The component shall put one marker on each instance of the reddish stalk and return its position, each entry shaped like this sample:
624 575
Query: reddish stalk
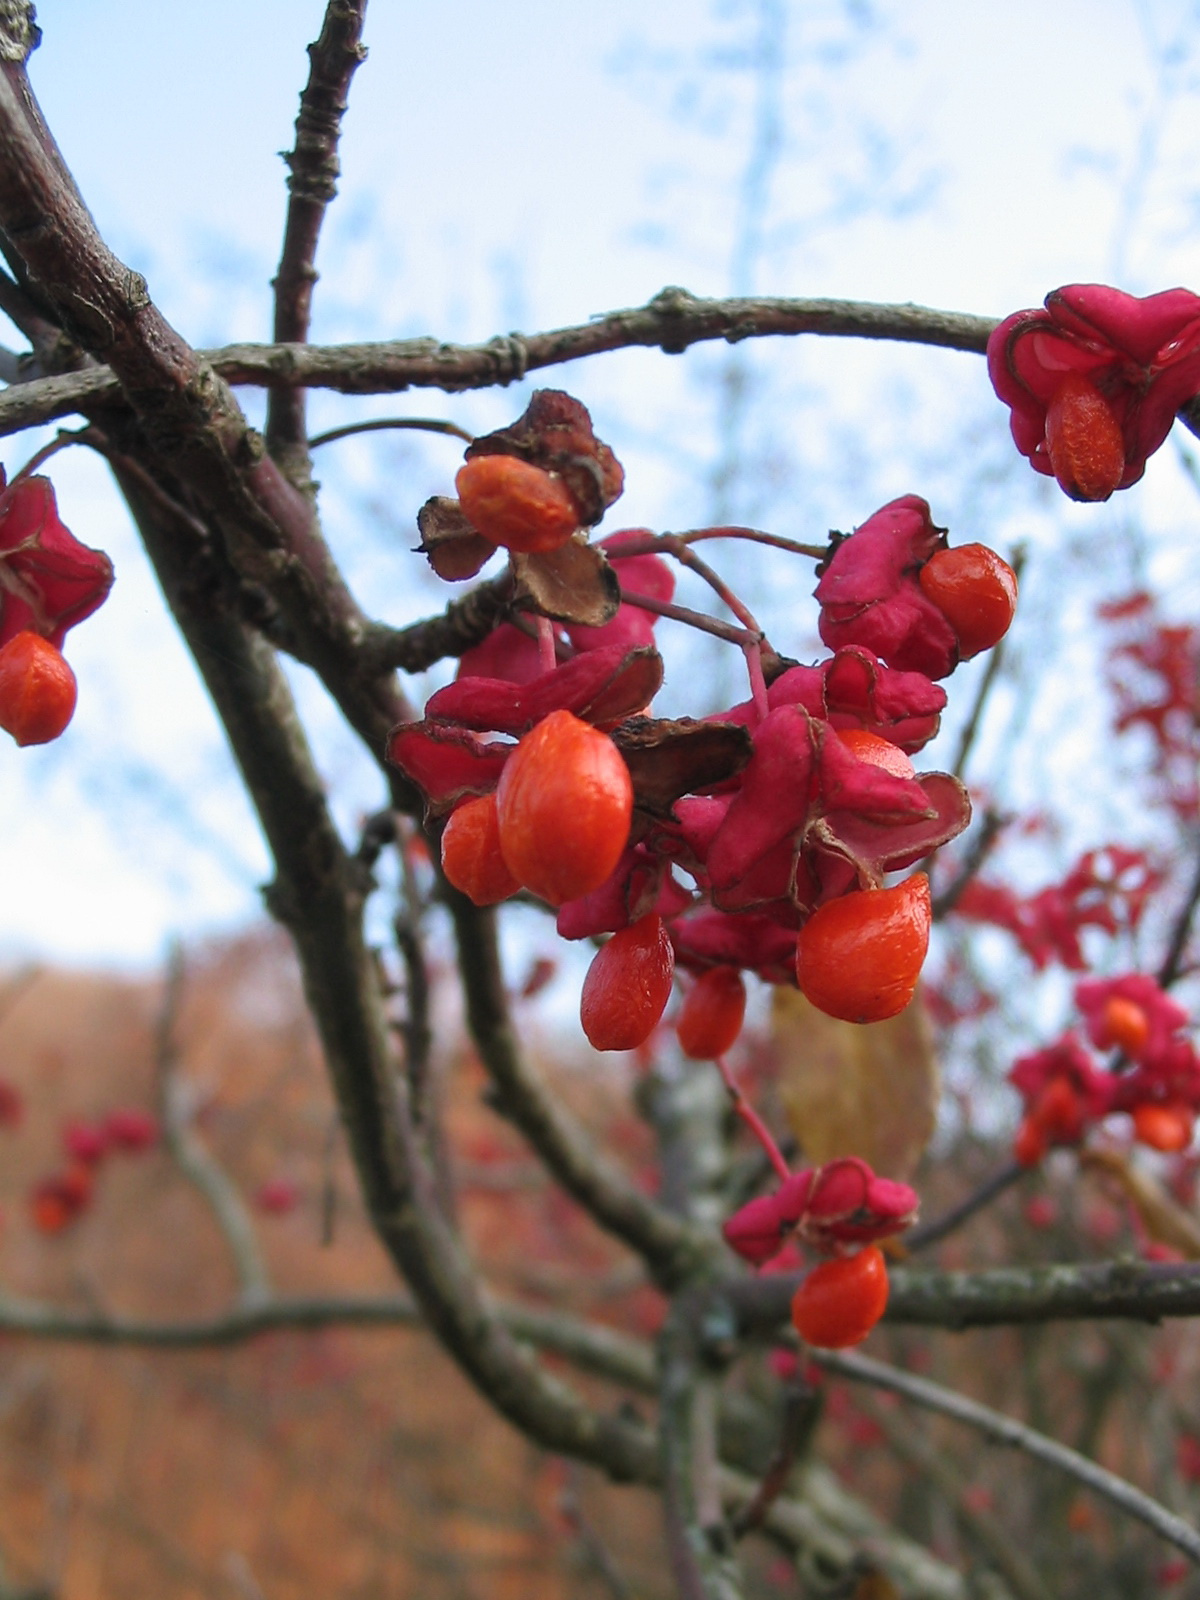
546 649
753 1121
758 683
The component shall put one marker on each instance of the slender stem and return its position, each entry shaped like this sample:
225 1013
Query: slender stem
801 1409
758 684
192 1158
752 1120
817 552
670 1246
383 424
60 442
1181 932
939 1228
547 653
1004 1430
981 845
694 619
986 684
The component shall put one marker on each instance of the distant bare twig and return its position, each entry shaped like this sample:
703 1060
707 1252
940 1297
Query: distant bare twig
1004 1430
189 1153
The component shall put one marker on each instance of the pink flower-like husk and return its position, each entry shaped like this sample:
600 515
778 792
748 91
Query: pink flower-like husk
1164 1015
854 689
1067 1058
804 787
749 941
640 883
506 653
842 1202
602 687
869 593
1142 354
49 581
446 763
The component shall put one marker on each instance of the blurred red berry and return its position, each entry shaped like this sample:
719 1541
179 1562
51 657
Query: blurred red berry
277 1197
130 1128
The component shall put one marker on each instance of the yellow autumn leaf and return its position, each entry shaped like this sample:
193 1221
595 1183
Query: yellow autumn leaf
857 1089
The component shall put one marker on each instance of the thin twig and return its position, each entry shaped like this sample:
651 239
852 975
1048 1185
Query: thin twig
591 1545
991 675
938 1228
190 1155
384 424
982 843
1181 932
801 1407
313 171
1005 1430
916 1451
817 552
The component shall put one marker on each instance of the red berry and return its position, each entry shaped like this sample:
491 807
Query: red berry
471 857
712 1014
976 592
859 957
56 1202
627 986
1124 1023
277 1197
1031 1143
1162 1127
1059 1111
48 1209
130 1128
1084 440
878 751
12 1107
564 805
515 504
83 1141
841 1301
37 689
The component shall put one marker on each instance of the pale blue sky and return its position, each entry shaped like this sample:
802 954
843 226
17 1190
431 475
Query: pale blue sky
532 164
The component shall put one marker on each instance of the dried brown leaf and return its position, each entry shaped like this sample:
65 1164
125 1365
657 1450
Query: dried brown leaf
668 759
571 584
452 546
850 1089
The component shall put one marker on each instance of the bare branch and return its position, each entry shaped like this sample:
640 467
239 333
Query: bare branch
672 321
1137 1291
313 172
319 893
698 1536
670 1247
1004 1430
